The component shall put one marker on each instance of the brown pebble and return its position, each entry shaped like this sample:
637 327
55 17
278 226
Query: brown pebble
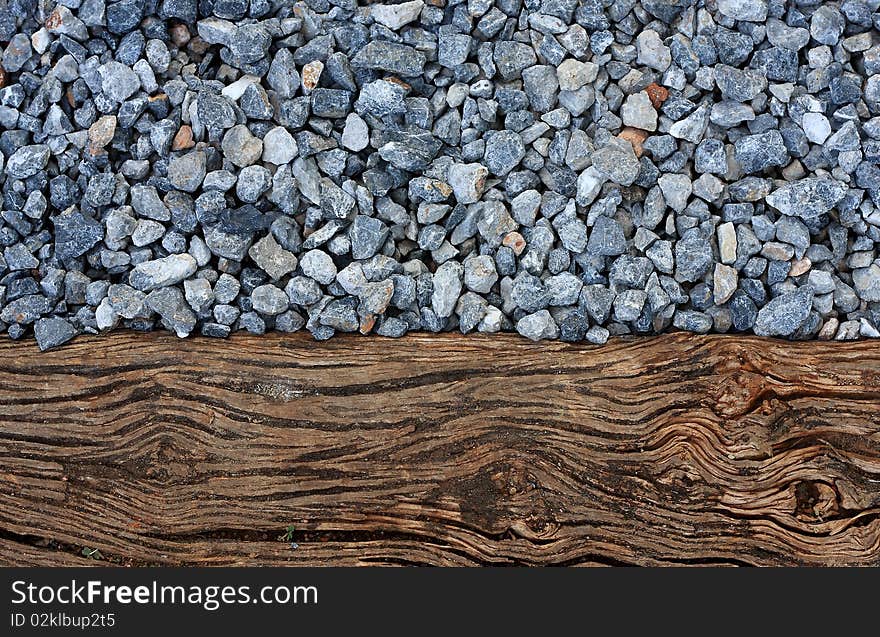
636 137
799 267
398 81
515 242
311 74
179 35
367 323
198 46
183 139
102 131
54 20
829 329
657 94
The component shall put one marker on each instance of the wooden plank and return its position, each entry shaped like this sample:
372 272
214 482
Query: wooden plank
440 450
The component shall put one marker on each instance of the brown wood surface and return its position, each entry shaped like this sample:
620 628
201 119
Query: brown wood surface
440 450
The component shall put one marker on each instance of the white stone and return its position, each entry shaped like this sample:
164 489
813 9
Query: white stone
637 111
749 10
279 147
573 74
105 316
727 243
589 184
41 40
816 127
395 16
651 51
676 189
238 87
725 280
356 134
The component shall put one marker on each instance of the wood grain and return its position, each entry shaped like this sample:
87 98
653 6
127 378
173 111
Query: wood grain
440 450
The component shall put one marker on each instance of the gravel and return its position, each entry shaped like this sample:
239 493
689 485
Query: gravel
561 169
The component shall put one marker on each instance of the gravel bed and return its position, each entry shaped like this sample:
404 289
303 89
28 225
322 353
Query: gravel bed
570 169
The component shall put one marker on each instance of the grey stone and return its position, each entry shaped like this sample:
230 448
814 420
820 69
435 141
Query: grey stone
162 272
541 87
452 48
187 172
468 181
538 326
750 10
755 153
279 147
215 111
75 234
52 332
367 235
18 51
118 82
480 274
807 198
739 85
170 304
356 134
676 189
504 151
146 202
693 127
827 24
198 294
606 238
146 232
18 257
388 56
529 293
394 16
241 147
447 288
269 299
651 51
272 258
573 74
693 256
710 157
27 161
319 266
564 289
303 291
866 282
283 76
511 58
617 161
335 202
638 111
784 314
229 245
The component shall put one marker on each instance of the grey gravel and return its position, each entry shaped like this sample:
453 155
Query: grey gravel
570 170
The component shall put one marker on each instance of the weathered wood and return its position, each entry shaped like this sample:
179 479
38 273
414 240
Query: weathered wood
440 450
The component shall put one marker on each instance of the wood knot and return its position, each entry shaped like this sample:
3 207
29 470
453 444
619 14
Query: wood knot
815 501
502 496
737 394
